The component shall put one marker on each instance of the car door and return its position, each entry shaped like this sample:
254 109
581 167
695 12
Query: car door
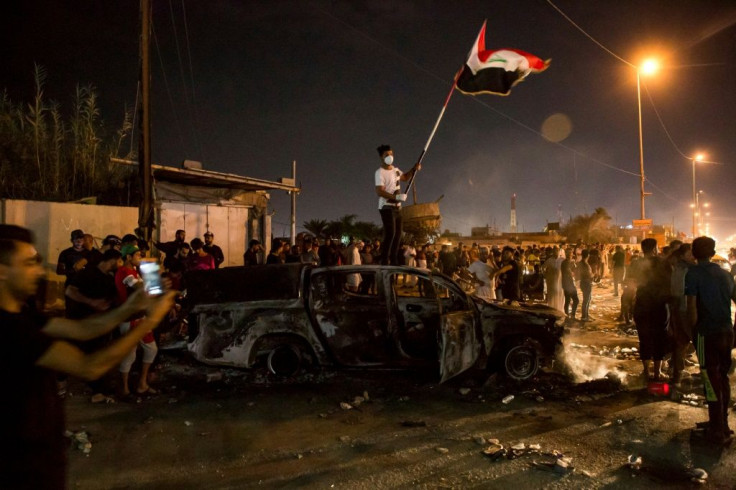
353 325
459 342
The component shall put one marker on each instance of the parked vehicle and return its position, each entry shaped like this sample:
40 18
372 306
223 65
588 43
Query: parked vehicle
372 316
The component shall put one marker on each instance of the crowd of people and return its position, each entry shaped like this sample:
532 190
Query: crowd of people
676 297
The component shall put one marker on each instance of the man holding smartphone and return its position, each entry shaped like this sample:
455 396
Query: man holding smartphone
35 349
127 280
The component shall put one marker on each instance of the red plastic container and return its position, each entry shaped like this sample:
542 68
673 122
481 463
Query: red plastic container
659 388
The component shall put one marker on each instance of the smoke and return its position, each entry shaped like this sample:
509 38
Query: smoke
581 365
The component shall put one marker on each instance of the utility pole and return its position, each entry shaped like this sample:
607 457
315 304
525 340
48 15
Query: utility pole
145 211
293 204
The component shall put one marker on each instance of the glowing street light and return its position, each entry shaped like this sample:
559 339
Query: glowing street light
648 67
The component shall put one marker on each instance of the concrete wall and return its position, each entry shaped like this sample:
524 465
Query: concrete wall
52 224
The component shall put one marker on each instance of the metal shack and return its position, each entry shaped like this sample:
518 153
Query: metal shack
232 207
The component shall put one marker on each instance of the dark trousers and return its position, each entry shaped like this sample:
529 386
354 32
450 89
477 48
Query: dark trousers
391 218
714 357
587 290
571 299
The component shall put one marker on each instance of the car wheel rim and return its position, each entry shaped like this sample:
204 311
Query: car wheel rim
284 360
521 362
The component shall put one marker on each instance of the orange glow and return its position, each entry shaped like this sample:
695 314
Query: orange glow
649 67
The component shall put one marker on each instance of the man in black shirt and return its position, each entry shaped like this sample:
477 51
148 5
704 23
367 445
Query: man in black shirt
34 350
212 249
170 248
510 277
73 259
250 257
93 291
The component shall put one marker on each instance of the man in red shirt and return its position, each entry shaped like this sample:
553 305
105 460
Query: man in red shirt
127 279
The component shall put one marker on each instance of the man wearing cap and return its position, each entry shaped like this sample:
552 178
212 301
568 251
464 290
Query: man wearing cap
212 249
74 258
34 349
127 280
387 181
170 248
111 242
709 291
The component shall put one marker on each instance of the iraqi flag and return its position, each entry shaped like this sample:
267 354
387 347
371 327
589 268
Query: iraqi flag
495 71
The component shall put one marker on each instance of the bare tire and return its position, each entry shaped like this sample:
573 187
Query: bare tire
521 362
285 360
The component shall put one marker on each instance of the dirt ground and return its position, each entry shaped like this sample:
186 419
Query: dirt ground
231 429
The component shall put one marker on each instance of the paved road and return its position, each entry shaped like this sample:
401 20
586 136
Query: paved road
245 430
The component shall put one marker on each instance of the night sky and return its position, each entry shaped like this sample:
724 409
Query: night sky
325 82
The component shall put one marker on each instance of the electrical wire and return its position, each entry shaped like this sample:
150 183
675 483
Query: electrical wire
589 36
183 77
166 85
191 76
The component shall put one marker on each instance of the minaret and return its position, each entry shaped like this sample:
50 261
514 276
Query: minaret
512 225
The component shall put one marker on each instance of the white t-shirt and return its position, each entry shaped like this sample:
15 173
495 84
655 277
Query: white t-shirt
389 179
481 271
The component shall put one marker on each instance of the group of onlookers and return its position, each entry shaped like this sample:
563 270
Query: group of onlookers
97 280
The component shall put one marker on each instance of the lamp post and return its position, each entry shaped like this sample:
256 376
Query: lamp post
648 67
697 158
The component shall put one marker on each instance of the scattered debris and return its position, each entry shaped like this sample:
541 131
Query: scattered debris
358 400
188 423
634 462
442 450
464 391
344 438
480 440
403 399
507 399
346 406
216 376
80 440
698 475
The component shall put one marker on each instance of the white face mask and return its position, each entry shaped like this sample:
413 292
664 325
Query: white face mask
388 159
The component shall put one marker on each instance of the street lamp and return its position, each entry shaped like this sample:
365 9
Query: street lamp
647 68
698 158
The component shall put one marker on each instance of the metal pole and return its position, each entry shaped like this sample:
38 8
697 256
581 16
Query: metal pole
293 204
434 130
641 142
694 200
145 216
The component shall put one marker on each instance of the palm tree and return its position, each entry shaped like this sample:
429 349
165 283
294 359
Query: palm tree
316 227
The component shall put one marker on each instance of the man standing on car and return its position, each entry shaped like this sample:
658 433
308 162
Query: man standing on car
34 350
387 180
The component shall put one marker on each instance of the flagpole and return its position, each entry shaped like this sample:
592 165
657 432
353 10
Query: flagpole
434 130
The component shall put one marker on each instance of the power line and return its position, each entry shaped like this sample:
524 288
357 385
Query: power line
589 36
191 76
166 85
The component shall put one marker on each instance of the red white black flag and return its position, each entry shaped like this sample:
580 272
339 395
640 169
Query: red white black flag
495 71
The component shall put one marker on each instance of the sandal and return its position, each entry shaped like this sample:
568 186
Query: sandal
147 391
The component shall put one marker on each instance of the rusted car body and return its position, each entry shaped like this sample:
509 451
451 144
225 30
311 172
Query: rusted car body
360 317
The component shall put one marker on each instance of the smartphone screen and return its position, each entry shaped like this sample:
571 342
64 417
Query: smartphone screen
150 271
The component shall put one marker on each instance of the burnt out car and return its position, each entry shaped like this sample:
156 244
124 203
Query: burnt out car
372 316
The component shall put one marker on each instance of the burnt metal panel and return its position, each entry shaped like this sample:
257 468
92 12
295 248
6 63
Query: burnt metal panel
233 284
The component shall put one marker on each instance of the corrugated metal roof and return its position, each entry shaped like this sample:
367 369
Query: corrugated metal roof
209 178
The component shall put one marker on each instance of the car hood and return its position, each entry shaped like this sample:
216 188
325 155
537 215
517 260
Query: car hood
537 309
